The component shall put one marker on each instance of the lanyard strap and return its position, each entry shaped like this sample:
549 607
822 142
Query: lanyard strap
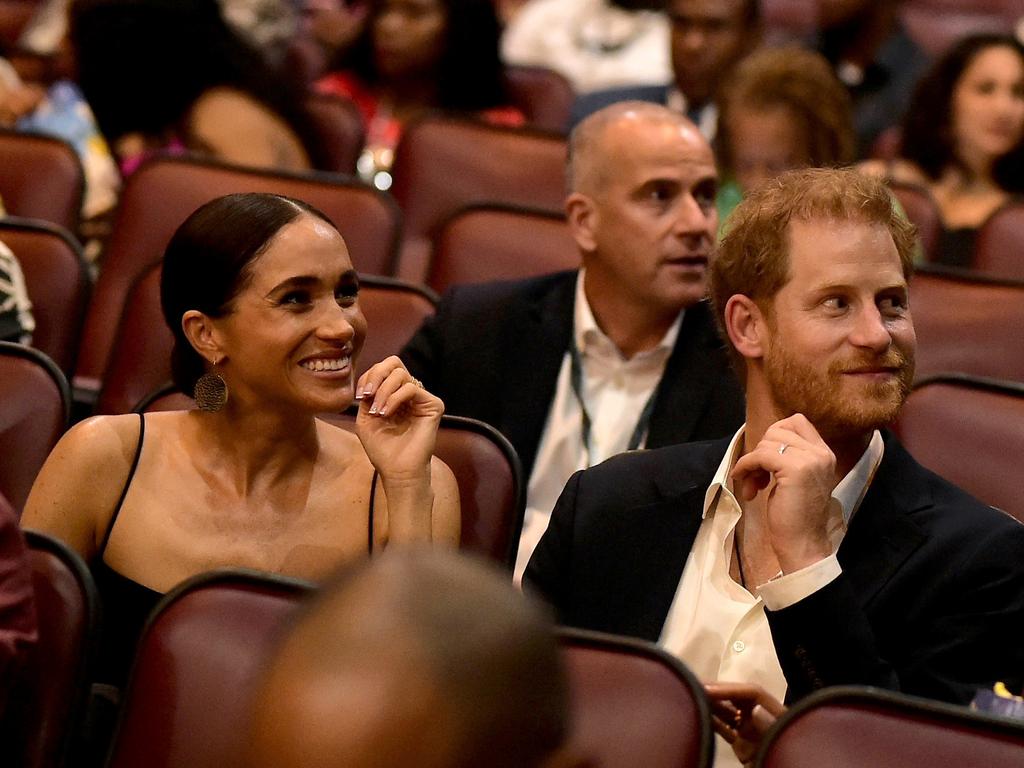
576 379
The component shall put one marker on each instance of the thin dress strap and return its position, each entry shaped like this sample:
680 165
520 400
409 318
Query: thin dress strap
127 483
373 498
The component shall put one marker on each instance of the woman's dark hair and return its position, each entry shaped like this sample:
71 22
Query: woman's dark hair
143 63
928 138
209 260
470 75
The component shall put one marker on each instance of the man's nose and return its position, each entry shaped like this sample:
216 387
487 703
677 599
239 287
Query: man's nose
694 38
693 218
870 330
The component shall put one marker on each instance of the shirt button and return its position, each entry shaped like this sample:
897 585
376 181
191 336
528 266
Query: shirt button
739 646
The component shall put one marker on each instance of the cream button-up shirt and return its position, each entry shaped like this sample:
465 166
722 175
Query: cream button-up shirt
719 628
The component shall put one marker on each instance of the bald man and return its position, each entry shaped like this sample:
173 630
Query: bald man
578 366
416 659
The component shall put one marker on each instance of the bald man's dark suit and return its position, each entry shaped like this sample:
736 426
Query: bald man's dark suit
493 352
930 600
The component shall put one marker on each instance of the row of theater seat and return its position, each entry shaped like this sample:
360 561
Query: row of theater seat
632 704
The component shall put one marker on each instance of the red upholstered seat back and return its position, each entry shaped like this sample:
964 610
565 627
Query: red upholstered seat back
967 324
999 251
544 96
490 242
34 407
66 611
853 728
57 282
41 178
444 164
971 432
634 705
196 667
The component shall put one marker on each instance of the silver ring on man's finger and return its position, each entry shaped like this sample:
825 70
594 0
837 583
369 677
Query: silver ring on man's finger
782 448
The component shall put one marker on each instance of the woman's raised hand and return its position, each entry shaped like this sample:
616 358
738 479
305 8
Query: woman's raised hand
397 421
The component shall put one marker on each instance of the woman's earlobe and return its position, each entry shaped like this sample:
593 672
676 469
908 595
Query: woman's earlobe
202 335
745 325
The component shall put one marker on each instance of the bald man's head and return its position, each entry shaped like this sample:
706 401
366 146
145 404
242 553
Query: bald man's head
416 659
590 162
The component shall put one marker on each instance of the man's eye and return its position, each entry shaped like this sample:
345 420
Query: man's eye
295 298
836 303
893 304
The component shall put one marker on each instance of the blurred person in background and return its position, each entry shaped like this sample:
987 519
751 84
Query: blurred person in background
415 56
595 44
708 39
782 109
171 75
963 138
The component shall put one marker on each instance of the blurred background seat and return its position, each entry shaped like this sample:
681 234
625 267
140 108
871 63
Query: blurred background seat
971 432
34 407
853 728
57 281
443 164
41 178
495 242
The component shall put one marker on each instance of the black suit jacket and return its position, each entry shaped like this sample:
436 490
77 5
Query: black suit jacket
930 600
493 352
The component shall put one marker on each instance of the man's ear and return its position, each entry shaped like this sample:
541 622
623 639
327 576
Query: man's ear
746 326
582 216
203 335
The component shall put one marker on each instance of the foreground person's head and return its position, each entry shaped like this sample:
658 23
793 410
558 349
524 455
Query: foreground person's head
422 659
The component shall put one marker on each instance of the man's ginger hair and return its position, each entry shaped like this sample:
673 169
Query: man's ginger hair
753 255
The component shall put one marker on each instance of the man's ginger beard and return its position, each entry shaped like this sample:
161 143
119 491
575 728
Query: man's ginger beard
835 404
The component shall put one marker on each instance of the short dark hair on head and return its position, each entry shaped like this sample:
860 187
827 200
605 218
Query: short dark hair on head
470 76
928 138
208 261
753 256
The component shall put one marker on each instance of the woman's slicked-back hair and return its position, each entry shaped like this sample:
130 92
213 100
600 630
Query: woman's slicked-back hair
928 138
209 260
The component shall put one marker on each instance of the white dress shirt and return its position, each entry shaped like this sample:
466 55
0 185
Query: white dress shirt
594 44
719 628
615 390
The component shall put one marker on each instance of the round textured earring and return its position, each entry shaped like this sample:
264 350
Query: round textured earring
211 391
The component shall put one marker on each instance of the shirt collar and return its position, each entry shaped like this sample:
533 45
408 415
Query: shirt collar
586 331
849 492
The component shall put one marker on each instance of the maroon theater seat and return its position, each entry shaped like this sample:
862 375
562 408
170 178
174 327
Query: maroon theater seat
633 704
492 242
67 613
970 431
57 281
544 96
192 685
967 324
339 129
923 213
858 727
34 408
443 164
41 178
999 251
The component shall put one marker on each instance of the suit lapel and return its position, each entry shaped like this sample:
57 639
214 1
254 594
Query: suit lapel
686 386
882 534
537 334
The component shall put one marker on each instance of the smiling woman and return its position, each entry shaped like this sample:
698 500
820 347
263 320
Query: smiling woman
263 301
